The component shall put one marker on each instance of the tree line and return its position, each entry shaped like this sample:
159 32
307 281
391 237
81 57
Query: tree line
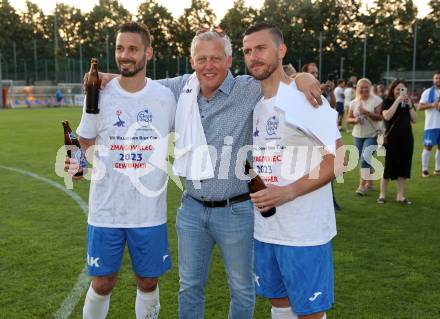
388 27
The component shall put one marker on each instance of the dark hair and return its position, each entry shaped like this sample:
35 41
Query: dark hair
276 33
437 72
139 28
340 81
305 67
393 85
349 84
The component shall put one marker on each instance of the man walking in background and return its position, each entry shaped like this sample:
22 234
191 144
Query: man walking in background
430 103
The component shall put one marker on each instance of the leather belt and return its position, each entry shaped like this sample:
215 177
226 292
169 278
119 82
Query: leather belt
223 203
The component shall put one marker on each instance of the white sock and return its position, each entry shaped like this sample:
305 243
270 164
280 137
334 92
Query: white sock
95 306
283 313
437 160
425 159
325 316
147 304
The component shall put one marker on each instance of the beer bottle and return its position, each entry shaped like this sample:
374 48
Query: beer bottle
257 184
72 144
93 85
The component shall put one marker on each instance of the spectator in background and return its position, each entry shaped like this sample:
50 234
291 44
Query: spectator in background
349 94
379 90
289 70
430 103
365 113
326 88
340 99
59 98
398 112
311 68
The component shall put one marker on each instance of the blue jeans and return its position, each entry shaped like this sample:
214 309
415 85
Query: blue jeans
199 228
365 151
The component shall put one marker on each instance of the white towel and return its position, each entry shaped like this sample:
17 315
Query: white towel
319 123
191 153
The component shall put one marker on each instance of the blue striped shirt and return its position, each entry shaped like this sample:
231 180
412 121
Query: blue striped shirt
228 113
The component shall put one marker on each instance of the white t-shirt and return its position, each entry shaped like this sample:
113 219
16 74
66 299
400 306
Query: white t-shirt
368 127
348 97
281 150
339 94
131 132
432 116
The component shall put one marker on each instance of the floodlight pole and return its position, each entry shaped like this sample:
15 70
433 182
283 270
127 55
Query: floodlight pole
320 56
1 82
14 46
414 57
388 70
35 60
364 67
341 72
107 53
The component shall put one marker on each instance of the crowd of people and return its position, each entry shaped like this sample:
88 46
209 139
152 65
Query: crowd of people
378 115
286 258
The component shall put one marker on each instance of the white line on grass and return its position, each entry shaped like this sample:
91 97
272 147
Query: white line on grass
82 283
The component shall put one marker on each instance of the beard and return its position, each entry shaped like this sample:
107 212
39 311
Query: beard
266 72
137 67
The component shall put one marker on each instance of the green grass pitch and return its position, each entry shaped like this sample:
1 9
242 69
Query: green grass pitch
387 257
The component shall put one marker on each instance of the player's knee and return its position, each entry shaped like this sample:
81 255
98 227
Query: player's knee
280 302
319 315
104 285
146 284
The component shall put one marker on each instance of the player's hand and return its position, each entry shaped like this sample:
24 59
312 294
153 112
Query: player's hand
71 166
104 77
309 86
272 196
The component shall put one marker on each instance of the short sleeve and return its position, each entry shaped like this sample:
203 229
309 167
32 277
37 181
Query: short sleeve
175 84
386 104
377 100
88 127
353 105
425 97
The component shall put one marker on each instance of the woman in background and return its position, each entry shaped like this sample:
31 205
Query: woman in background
398 112
365 114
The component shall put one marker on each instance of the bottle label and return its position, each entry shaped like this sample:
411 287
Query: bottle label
78 155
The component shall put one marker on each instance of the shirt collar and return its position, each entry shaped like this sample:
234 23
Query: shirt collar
227 84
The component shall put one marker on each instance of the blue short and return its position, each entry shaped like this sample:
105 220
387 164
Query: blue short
340 107
302 274
431 137
148 247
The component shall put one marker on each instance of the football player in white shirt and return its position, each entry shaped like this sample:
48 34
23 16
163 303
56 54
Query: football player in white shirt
430 103
293 252
128 204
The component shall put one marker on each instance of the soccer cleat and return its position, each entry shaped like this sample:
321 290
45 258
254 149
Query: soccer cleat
380 200
437 172
425 174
